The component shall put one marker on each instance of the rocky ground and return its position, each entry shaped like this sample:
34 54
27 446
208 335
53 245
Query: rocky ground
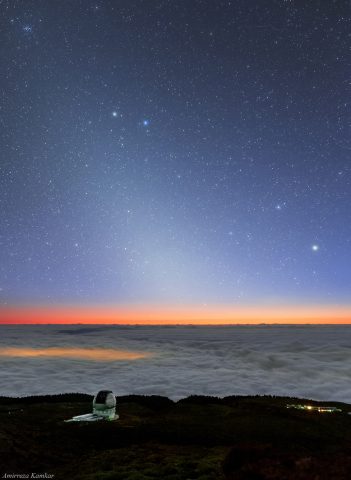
200 438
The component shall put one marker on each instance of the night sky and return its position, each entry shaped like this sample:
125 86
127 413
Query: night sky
175 152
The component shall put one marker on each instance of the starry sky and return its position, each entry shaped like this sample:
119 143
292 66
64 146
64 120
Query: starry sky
175 152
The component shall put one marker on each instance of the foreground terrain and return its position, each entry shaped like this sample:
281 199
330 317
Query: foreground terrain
200 438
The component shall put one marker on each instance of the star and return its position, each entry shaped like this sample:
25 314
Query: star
280 206
315 248
115 114
146 123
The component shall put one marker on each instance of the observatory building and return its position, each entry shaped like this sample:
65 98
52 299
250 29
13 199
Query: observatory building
104 405
104 408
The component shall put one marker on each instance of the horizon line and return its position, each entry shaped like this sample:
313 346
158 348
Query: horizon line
261 324
176 315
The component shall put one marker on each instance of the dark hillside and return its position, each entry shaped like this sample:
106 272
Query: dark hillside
156 438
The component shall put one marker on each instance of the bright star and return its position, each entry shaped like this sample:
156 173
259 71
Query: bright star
114 114
280 206
146 123
315 248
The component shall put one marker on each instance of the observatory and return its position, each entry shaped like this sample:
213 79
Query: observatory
104 408
104 405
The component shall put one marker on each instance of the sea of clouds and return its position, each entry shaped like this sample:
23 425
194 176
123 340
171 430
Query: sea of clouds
304 361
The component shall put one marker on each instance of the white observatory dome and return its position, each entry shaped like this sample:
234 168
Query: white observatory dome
104 404
104 408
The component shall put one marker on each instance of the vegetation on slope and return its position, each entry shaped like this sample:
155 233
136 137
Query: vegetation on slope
155 438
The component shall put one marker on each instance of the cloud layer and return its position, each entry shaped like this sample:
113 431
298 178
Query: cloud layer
305 361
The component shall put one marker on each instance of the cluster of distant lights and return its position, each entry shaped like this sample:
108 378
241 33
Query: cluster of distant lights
315 408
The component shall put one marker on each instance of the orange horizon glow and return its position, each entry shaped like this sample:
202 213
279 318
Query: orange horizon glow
177 316
96 354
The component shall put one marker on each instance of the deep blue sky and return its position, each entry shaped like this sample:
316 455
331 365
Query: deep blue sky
175 151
